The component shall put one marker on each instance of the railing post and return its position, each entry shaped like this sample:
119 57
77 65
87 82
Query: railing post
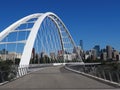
26 69
110 76
99 75
23 70
118 78
19 72
94 71
103 74
2 79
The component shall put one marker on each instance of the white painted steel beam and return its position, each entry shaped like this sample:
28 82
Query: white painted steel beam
12 27
23 41
22 30
29 22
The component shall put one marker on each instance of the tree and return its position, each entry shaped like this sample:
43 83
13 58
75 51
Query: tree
8 70
17 61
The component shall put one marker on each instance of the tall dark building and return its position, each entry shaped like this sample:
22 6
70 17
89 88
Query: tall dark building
97 48
33 52
81 44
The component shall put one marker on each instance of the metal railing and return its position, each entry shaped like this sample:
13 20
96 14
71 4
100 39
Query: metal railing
98 71
22 70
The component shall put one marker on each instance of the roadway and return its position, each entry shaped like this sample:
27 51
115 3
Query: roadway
55 78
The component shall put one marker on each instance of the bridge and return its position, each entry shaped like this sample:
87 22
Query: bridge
43 38
54 78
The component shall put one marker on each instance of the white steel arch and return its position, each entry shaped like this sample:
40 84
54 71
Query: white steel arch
5 32
25 59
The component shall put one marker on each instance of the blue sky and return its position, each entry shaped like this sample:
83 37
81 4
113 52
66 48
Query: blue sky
96 22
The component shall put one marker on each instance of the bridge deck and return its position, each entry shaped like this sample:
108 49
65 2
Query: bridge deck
54 78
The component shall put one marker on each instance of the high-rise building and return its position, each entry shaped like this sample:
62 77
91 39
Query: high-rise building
97 48
53 55
109 52
94 54
81 44
77 50
115 55
42 54
104 56
33 53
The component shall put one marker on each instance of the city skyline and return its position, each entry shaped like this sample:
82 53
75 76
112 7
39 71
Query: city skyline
94 22
107 53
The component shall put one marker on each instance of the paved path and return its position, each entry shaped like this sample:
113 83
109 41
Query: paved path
54 78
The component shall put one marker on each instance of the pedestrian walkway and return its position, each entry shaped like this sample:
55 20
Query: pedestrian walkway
55 78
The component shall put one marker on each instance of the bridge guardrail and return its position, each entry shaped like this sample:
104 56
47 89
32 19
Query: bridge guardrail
112 76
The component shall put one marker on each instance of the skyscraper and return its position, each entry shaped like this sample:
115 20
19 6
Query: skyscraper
33 53
94 54
97 48
81 44
109 52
